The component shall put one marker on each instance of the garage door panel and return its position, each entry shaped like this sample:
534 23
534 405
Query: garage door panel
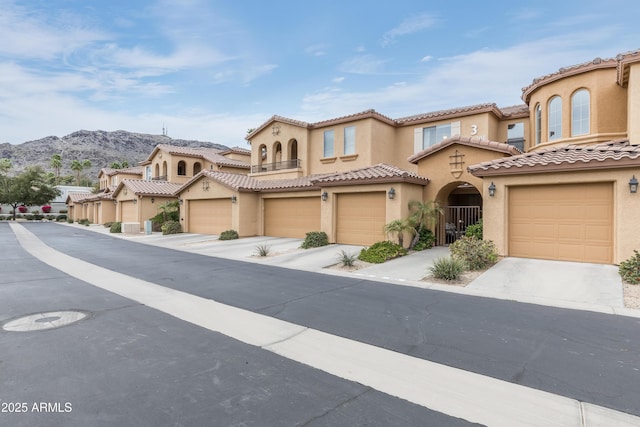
567 222
129 212
211 216
291 217
361 218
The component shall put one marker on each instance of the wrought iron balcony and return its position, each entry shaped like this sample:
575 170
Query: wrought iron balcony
159 178
268 167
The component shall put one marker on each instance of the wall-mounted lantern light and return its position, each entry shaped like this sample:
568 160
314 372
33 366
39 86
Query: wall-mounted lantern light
492 189
180 201
153 200
234 198
324 196
392 193
633 185
135 201
205 184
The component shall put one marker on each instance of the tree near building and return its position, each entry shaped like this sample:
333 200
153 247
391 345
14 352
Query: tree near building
78 166
5 165
56 164
28 188
423 214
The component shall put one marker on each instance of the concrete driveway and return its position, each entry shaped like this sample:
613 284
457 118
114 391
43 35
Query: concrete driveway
594 287
570 282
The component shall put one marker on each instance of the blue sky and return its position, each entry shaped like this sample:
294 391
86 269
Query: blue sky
210 70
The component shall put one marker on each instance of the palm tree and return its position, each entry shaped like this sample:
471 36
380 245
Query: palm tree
77 167
423 214
398 227
56 164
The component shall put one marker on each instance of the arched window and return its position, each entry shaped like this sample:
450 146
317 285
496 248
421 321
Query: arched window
182 168
277 152
293 149
197 167
538 124
157 171
580 113
555 118
164 170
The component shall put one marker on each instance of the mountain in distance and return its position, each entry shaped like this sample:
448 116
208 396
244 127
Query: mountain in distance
100 147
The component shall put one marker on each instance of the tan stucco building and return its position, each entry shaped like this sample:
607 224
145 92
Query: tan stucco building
550 178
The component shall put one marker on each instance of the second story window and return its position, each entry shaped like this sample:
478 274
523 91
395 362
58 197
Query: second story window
349 140
328 143
555 118
434 134
182 168
538 124
515 135
580 113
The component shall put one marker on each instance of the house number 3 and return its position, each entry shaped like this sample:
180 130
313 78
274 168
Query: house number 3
474 129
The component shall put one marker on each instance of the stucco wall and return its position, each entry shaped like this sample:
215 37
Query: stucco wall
608 107
286 134
626 233
436 167
633 103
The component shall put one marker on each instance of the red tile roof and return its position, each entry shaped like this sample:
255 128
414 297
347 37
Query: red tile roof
614 154
148 188
78 197
367 175
381 172
471 142
211 154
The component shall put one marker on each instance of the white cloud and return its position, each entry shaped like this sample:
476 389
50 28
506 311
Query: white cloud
363 64
426 58
316 50
408 26
338 80
482 76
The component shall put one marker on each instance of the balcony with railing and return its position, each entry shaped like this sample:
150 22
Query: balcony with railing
277 166
159 178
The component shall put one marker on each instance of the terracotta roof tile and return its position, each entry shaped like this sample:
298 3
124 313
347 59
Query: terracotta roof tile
78 197
149 188
211 154
614 154
357 116
471 142
441 114
381 172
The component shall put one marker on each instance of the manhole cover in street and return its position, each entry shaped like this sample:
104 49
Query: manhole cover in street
42 321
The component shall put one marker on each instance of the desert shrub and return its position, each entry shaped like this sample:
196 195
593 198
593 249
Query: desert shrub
426 240
37 217
70 220
380 252
63 211
474 230
28 217
50 217
228 235
447 268
263 250
84 221
115 227
171 227
474 253
315 239
61 218
347 259
630 269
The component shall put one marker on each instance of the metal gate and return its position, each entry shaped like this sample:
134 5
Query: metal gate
455 221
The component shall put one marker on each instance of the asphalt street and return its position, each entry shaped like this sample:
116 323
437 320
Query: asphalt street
130 362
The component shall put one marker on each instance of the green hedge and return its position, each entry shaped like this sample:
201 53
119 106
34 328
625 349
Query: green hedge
381 251
315 239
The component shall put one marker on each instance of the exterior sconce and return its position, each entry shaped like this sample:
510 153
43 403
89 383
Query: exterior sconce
324 196
153 200
492 189
205 185
115 202
135 201
392 193
180 201
633 185
234 198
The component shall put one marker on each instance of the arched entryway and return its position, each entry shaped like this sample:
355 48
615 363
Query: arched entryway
462 206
